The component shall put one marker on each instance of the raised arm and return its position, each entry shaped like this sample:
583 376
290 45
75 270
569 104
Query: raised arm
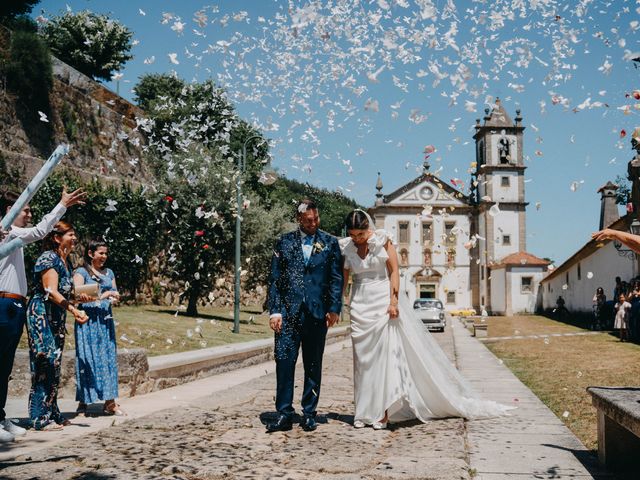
630 240
394 279
44 226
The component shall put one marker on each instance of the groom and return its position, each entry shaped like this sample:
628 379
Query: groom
305 288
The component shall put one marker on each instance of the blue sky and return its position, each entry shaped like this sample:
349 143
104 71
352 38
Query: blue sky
311 55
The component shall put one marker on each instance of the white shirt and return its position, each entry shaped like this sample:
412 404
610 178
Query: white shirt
12 275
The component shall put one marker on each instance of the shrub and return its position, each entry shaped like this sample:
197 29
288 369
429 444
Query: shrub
28 70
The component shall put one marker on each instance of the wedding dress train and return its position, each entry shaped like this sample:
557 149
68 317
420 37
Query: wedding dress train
398 365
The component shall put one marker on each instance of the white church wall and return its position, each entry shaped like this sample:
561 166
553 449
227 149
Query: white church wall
507 193
522 301
604 263
505 223
498 291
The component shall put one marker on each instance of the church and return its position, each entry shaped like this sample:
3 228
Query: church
469 251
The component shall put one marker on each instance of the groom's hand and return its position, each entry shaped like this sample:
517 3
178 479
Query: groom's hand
275 323
332 318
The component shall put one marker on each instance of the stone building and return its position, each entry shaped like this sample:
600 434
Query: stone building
451 244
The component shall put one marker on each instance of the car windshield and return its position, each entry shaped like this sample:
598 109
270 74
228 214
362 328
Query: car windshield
427 303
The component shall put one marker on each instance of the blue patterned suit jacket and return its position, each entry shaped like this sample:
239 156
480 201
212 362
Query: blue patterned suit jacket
318 285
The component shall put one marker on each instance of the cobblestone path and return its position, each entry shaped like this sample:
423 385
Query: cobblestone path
223 437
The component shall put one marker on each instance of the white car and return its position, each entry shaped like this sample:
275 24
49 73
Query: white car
431 312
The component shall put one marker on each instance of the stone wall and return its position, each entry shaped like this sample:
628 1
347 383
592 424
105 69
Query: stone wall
99 125
132 373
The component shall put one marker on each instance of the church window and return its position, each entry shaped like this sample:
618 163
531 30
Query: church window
427 257
451 297
482 274
506 239
567 278
504 181
450 238
427 290
404 258
504 150
480 152
427 232
579 272
403 232
526 284
451 257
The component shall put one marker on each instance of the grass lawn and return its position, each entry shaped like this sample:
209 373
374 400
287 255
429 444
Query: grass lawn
559 369
160 330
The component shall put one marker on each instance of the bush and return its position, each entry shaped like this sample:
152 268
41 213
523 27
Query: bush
28 70
130 230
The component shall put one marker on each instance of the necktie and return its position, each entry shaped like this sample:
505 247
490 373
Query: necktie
307 248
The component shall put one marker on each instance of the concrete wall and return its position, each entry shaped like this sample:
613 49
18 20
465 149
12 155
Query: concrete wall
605 263
525 302
498 290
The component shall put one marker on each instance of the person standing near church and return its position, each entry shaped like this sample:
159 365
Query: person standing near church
96 351
305 289
13 290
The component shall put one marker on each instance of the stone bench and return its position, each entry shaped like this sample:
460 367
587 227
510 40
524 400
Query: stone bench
618 411
479 329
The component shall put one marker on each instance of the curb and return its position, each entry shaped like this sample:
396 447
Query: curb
176 368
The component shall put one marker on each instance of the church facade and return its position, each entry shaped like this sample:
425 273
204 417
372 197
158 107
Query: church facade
450 243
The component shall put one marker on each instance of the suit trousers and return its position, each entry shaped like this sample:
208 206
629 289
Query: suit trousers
300 330
12 318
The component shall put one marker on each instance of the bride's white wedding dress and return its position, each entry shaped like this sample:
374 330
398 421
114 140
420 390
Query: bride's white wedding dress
398 366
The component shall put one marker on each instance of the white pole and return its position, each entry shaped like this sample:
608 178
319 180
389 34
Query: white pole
26 196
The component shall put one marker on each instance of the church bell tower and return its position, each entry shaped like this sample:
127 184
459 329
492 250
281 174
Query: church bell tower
498 197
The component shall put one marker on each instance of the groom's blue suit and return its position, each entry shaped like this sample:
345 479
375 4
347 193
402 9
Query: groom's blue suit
303 293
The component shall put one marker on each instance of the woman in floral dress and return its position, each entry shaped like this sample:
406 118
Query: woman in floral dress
96 355
46 316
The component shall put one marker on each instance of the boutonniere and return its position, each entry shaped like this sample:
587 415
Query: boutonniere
317 248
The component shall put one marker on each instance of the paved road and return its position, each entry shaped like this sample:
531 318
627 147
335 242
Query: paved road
221 435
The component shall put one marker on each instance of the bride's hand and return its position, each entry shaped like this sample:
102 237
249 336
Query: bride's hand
392 311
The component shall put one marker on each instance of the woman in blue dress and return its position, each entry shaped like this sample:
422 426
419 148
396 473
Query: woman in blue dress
46 316
96 354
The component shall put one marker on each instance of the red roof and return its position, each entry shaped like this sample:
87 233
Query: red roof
521 259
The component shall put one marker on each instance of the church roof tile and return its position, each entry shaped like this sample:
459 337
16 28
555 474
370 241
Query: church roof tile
521 259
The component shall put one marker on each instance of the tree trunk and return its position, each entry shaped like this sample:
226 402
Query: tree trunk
192 306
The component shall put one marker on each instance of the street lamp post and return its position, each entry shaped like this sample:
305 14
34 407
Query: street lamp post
266 178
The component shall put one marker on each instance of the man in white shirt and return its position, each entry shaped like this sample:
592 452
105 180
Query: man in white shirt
13 290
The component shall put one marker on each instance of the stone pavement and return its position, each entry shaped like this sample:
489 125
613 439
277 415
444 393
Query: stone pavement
213 429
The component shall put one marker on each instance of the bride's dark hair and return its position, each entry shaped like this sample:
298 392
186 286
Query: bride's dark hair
356 220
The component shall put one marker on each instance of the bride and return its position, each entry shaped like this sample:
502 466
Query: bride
400 372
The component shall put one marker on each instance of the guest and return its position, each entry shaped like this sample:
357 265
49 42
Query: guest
634 300
46 316
13 289
96 357
617 290
599 301
622 316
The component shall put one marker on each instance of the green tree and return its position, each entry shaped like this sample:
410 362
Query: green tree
94 44
197 221
28 70
12 8
153 90
333 206
623 194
